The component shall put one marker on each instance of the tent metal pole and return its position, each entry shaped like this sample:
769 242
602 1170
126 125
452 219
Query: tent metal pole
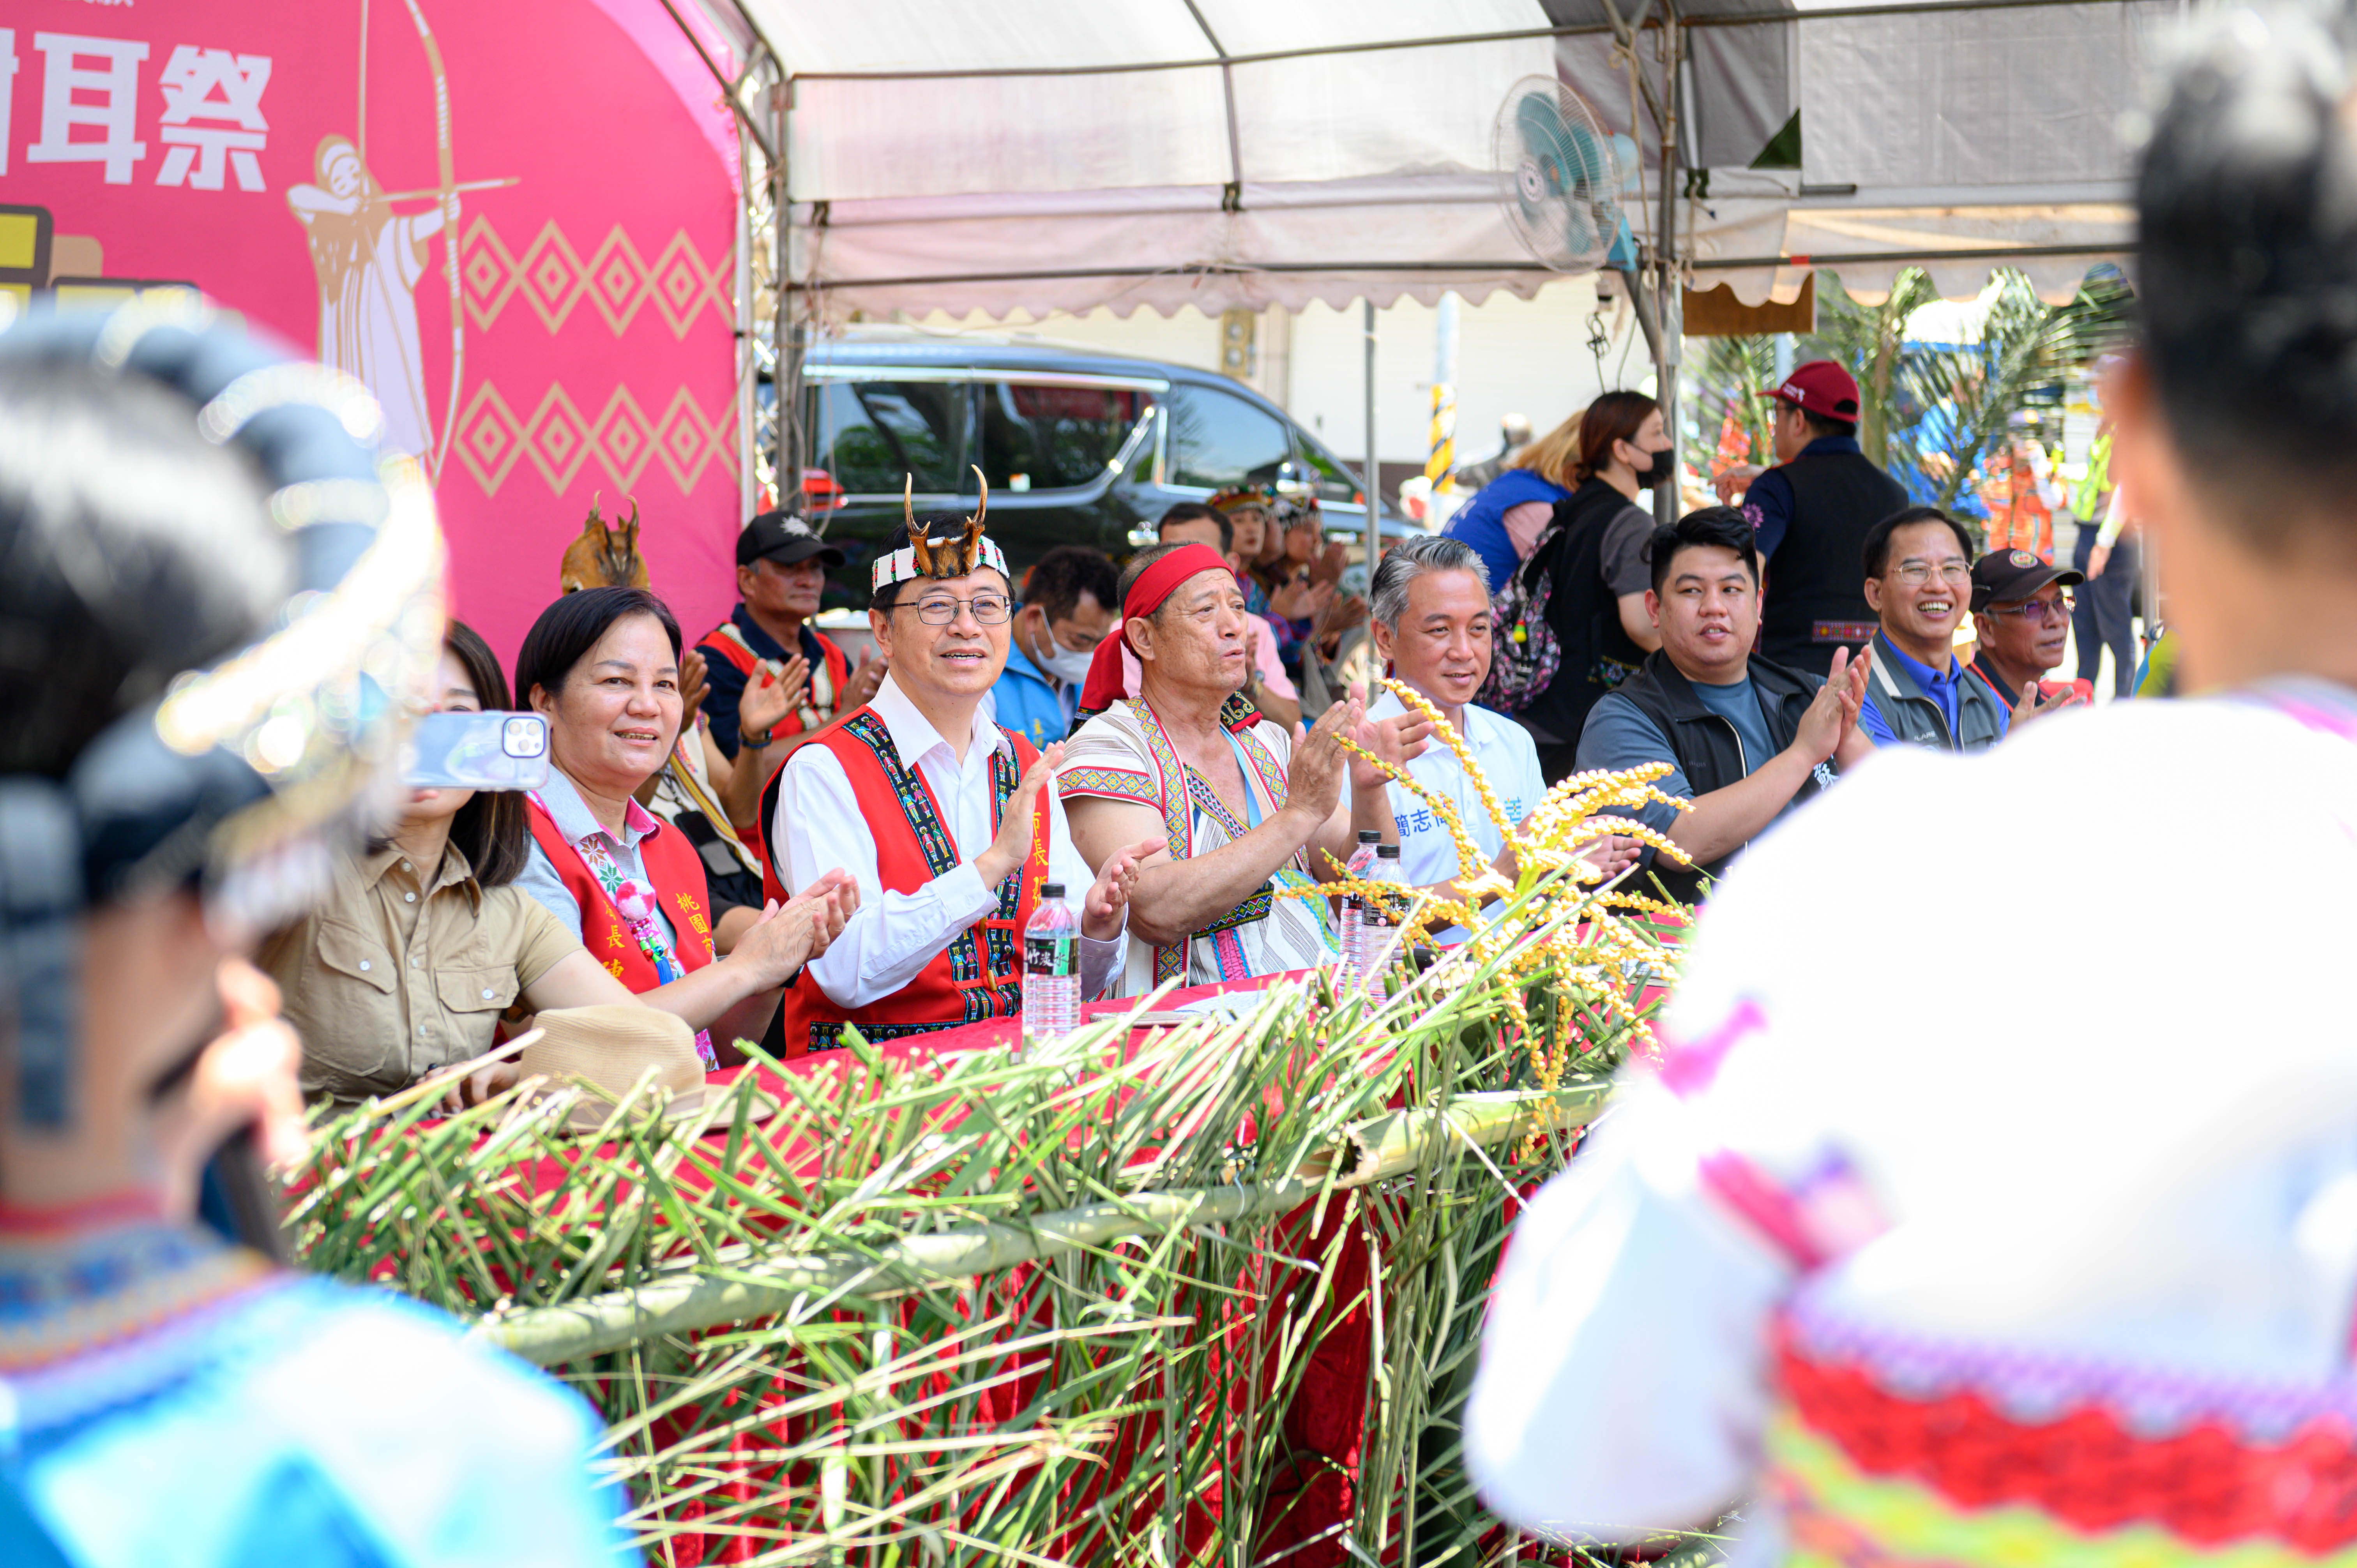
1668 307
1444 40
748 363
1372 480
786 388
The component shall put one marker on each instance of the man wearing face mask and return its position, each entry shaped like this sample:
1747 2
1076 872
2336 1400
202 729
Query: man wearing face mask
1066 613
1593 547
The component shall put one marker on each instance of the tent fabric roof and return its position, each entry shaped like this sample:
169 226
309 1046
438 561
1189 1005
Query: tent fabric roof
1048 155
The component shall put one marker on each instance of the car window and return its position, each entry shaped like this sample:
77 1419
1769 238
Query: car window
1326 473
1040 437
1218 442
870 433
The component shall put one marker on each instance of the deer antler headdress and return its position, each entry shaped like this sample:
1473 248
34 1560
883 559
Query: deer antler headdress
950 555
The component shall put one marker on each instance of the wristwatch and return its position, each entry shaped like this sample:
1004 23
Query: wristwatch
747 737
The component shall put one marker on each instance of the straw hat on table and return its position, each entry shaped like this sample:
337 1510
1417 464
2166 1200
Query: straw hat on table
616 1048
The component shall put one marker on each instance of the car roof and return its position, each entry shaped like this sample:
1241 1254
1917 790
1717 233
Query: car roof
994 354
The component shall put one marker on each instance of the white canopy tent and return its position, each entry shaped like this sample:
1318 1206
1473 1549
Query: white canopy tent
1071 154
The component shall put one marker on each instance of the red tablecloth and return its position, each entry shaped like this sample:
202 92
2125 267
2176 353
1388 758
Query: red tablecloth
1325 1419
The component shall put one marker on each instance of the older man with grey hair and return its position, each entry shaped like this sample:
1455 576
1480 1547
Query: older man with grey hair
1431 609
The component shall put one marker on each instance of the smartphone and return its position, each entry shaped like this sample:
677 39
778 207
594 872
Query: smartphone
477 751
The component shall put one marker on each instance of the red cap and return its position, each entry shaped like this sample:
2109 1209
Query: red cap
1821 387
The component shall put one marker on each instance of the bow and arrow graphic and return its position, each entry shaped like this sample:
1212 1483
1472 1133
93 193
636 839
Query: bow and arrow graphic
369 259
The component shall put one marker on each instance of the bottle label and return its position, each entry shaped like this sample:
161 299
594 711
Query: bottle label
1048 956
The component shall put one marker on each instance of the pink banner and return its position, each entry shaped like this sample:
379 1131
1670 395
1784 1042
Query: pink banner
296 163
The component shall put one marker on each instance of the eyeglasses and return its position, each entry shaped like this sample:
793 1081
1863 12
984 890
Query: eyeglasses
1915 573
2037 609
989 609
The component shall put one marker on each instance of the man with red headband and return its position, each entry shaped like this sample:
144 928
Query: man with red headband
946 820
1240 816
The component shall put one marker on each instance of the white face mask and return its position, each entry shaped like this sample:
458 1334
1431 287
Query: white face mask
1066 664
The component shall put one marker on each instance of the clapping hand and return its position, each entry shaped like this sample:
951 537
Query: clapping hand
2032 706
1012 847
770 695
1313 782
1833 713
786 935
860 689
693 685
1398 740
1102 912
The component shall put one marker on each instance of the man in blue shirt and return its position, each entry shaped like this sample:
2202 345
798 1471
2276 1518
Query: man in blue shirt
1747 740
1068 599
1918 577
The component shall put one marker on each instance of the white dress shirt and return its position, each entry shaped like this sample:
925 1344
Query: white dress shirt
1507 757
821 826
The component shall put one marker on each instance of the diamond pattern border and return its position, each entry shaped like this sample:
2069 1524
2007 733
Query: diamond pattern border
558 440
616 280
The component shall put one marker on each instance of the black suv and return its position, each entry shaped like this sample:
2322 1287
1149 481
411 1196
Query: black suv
1078 448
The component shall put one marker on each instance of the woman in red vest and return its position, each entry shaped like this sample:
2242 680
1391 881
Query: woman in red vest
603 665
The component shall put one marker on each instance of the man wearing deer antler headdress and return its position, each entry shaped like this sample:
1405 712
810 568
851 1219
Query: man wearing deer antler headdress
945 818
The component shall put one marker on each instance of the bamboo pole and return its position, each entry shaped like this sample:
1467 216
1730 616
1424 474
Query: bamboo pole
1383 1146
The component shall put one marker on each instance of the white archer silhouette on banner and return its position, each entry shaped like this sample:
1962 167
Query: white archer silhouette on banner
369 259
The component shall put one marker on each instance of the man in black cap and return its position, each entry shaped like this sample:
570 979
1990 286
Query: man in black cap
781 564
2022 617
1813 512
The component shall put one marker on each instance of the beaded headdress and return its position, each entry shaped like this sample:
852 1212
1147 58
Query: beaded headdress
950 555
1261 496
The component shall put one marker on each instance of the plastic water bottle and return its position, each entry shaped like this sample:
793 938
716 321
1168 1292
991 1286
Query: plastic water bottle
1377 929
1363 860
1051 971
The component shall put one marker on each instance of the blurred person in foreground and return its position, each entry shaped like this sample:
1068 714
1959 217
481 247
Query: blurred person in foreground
1919 578
192 732
1227 806
1908 1295
1431 606
2021 609
1068 599
1747 740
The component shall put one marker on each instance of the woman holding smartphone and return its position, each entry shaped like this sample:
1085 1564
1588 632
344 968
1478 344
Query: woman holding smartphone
424 941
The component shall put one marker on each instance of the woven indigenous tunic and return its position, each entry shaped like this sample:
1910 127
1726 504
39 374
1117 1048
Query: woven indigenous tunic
2064 1277
886 797
1124 755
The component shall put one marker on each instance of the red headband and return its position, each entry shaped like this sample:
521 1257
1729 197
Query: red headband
1153 585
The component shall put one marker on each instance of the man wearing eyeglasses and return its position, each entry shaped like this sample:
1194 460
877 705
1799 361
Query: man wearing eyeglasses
2023 617
1918 577
944 819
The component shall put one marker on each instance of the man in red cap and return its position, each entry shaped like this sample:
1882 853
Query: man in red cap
1812 512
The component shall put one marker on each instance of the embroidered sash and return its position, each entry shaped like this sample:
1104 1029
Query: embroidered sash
988 974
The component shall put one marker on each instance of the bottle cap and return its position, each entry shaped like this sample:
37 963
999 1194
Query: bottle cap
1369 835
1051 890
1387 852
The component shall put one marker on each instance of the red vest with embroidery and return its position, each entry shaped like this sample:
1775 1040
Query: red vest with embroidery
677 872
979 975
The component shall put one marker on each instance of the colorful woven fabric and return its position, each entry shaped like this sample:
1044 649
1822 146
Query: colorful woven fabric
1867 1476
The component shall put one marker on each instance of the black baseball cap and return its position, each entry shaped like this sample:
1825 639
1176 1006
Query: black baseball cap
783 537
2009 576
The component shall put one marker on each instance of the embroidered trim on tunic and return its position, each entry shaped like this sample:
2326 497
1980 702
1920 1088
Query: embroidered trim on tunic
996 992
